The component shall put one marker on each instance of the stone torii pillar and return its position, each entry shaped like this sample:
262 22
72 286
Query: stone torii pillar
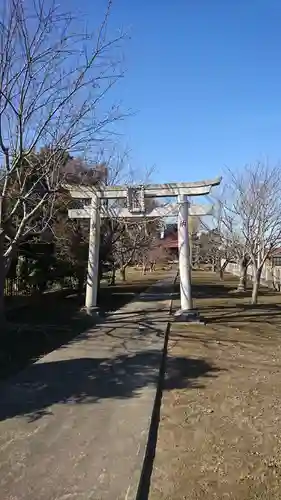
93 257
184 256
136 209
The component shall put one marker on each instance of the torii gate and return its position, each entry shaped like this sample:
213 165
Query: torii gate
135 197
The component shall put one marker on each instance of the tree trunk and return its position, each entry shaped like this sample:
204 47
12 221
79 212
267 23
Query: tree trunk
2 290
242 286
5 263
123 273
81 280
256 285
222 269
113 276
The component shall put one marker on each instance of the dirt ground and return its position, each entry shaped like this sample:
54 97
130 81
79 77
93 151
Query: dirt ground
219 435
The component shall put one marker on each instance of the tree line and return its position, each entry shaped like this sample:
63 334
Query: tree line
246 227
57 115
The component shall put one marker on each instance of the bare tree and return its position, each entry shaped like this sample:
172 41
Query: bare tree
232 246
254 209
131 242
53 81
222 242
207 248
152 253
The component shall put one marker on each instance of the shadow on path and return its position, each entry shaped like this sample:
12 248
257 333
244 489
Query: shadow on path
90 380
56 319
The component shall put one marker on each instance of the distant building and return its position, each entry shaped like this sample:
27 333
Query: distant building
169 241
170 244
276 257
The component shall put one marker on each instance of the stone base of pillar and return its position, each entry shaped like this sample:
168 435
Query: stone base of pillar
190 316
93 312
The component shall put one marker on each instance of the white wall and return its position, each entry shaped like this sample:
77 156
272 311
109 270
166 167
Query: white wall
270 276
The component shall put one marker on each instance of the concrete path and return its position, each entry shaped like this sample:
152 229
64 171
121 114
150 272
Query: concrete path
75 424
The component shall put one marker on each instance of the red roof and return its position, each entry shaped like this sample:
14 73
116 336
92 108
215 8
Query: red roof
276 252
171 241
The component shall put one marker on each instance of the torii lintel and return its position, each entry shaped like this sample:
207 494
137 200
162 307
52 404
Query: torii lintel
171 189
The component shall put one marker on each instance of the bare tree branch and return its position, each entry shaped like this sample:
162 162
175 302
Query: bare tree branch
53 85
252 208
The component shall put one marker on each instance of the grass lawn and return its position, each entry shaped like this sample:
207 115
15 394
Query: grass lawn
55 319
219 435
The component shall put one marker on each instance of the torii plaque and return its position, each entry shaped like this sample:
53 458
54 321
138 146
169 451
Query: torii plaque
135 197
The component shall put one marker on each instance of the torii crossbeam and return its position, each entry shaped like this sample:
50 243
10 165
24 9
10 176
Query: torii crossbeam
135 196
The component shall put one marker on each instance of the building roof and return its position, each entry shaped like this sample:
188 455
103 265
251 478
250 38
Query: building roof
170 241
276 252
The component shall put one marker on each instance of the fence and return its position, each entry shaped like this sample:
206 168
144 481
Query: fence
17 287
270 276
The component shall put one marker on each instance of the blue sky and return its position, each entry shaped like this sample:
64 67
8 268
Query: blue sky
204 78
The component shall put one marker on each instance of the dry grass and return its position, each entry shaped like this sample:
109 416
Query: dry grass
220 432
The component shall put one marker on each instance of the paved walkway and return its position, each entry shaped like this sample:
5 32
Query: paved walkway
74 425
